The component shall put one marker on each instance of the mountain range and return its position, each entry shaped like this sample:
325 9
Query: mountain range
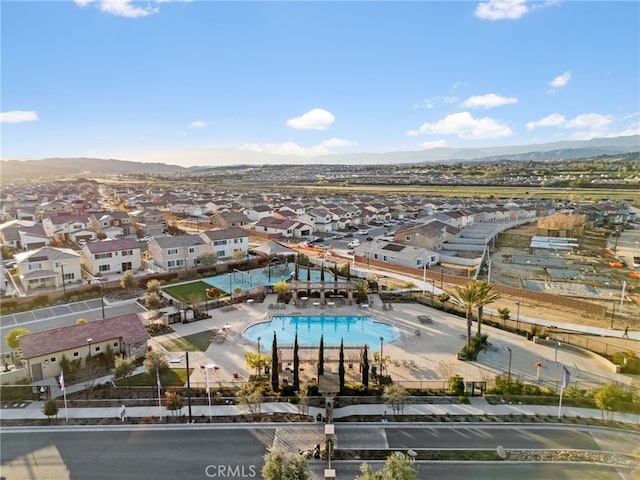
200 159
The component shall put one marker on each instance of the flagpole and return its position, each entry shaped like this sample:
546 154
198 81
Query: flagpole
560 404
566 378
64 395
159 398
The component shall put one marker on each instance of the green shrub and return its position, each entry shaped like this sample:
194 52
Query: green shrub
456 385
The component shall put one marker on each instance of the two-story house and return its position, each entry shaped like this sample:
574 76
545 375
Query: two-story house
111 256
48 267
224 242
172 253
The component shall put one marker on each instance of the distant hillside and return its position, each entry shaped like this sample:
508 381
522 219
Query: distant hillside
217 159
539 152
20 169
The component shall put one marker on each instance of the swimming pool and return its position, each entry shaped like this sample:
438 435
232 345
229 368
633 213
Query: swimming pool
355 330
259 277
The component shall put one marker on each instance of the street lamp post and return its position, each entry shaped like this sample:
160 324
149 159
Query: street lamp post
64 287
433 292
518 317
509 370
555 358
102 298
381 343
259 362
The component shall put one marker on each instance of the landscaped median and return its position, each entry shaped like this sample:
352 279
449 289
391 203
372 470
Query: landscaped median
454 455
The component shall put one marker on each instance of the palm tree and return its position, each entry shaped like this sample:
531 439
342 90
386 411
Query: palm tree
484 296
466 296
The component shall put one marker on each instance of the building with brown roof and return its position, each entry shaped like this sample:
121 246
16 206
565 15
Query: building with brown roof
567 225
42 352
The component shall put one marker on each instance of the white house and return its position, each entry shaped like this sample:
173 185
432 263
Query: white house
224 242
171 253
112 256
47 266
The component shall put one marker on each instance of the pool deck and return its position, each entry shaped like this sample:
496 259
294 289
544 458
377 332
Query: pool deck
427 337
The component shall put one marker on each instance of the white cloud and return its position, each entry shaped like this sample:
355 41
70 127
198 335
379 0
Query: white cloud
561 80
122 8
586 125
434 144
501 9
18 116
287 148
291 148
316 119
590 121
464 126
197 124
553 120
490 100
338 142
125 8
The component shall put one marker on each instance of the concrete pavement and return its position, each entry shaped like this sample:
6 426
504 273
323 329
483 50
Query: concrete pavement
478 406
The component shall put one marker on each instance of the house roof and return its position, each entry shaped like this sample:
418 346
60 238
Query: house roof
127 327
179 241
224 233
112 245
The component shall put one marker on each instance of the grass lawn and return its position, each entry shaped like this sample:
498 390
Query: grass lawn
174 377
198 342
186 292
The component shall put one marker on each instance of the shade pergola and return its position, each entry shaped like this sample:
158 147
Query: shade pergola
274 249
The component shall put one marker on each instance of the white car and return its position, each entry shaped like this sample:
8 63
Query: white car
362 231
353 243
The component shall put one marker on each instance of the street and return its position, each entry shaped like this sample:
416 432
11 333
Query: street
236 451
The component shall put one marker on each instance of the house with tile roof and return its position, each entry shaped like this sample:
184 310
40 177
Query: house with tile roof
42 352
112 256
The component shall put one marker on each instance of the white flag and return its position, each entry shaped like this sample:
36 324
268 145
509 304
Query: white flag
566 377
62 380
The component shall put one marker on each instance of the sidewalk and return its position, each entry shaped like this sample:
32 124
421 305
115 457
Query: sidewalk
478 407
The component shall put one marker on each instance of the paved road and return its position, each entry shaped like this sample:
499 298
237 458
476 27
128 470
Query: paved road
225 451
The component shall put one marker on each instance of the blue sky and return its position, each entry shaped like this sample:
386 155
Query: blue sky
169 80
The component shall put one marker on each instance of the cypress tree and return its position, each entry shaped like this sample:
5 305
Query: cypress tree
322 272
341 366
275 379
296 365
321 356
365 367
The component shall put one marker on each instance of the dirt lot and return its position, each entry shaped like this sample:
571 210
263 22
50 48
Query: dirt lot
516 242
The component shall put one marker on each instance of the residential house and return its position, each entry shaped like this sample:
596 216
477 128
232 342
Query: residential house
320 219
224 242
283 227
111 256
149 221
181 251
258 212
47 266
429 236
113 224
229 220
398 254
69 228
42 352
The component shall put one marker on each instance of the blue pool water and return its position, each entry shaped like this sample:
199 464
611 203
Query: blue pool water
259 277
355 330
